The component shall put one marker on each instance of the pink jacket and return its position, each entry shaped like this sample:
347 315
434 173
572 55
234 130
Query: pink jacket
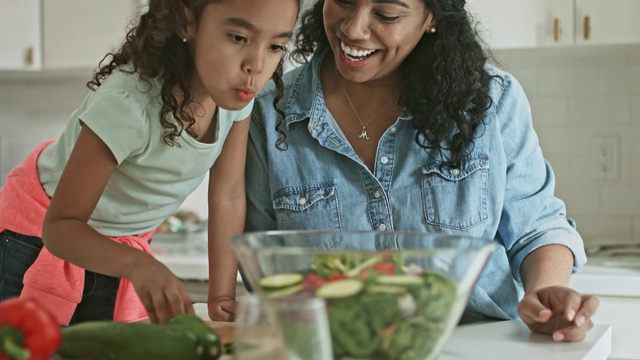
56 282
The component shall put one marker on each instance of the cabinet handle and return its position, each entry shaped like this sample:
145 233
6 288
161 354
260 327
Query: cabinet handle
587 27
29 56
557 29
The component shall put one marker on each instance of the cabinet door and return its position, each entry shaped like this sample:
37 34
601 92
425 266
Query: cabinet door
524 23
607 22
20 39
79 33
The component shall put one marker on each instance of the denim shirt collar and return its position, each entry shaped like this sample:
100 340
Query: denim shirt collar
301 104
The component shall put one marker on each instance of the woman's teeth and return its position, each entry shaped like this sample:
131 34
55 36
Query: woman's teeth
353 54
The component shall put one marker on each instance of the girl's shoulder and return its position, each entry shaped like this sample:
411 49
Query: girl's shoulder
131 84
126 86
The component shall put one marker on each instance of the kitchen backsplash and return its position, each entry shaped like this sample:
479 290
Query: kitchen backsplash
576 94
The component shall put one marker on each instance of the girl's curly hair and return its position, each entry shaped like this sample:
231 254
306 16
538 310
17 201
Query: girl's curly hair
452 95
154 49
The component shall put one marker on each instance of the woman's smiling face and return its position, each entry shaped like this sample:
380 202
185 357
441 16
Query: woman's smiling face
371 38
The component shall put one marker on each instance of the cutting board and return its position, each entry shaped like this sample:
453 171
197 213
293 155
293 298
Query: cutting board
224 330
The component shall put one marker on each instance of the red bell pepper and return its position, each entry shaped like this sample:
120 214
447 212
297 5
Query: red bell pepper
385 268
335 277
312 282
27 331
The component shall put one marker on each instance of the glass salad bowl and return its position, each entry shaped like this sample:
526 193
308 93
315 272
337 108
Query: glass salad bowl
389 295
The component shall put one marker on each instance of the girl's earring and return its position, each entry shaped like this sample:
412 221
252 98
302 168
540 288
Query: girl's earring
432 30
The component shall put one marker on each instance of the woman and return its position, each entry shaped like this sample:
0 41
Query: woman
399 123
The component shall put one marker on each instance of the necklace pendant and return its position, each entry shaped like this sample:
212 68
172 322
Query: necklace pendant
363 134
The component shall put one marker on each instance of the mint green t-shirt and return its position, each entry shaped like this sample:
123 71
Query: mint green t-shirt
152 179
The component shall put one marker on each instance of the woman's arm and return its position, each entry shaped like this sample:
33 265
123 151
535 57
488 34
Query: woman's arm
227 211
542 245
549 306
260 211
67 235
549 265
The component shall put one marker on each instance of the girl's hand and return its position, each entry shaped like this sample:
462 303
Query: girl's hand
223 309
559 311
161 292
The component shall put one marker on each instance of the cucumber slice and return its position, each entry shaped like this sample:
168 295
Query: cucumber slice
340 289
389 289
400 280
285 291
280 280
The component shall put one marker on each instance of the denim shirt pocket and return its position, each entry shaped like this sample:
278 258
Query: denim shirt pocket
312 206
456 199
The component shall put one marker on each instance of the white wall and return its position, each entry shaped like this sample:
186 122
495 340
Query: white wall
575 94
35 108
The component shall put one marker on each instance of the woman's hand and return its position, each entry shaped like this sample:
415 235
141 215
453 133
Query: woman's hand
559 311
161 292
223 308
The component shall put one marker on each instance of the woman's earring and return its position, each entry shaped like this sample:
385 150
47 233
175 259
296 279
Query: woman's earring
432 30
184 39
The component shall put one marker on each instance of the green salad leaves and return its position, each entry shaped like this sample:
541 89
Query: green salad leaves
377 307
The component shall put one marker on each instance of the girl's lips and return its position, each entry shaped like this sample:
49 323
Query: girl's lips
245 94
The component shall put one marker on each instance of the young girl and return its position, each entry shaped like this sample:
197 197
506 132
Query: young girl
181 86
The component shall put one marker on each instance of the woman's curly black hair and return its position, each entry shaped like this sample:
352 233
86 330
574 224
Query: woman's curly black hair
449 101
155 49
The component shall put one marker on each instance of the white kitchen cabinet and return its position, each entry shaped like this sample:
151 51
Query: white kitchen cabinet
21 36
507 24
607 22
524 23
62 34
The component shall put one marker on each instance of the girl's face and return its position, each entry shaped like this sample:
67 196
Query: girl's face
371 38
236 47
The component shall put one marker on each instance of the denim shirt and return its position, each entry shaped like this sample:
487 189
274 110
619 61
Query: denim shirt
503 190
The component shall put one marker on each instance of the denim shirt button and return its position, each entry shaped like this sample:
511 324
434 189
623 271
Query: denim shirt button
382 227
302 201
384 159
393 129
377 194
456 171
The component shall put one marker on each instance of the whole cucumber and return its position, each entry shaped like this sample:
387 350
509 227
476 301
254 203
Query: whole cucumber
107 340
208 338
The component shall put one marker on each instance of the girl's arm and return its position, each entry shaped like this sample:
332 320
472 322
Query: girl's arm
67 235
227 211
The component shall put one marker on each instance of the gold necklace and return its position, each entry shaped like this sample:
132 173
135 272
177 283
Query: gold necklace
363 133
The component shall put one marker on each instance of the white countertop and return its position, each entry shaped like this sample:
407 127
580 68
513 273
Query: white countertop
186 255
616 283
609 277
509 340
